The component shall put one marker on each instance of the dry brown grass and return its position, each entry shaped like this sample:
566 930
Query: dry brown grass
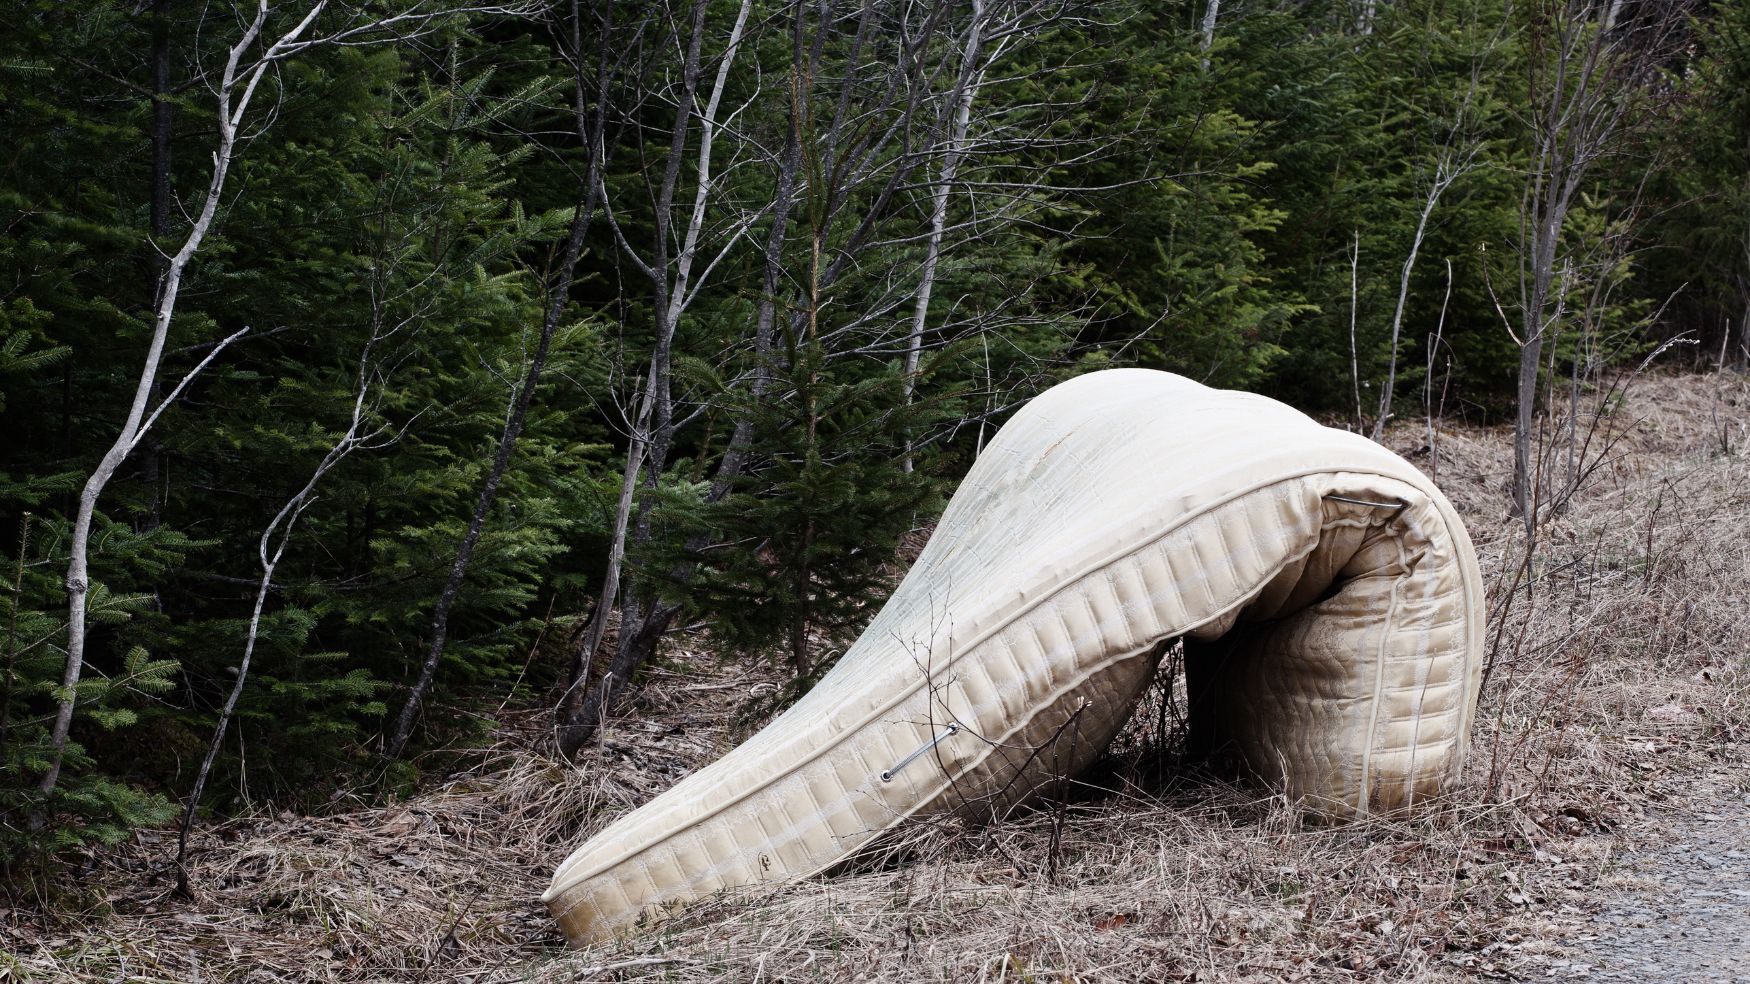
1621 675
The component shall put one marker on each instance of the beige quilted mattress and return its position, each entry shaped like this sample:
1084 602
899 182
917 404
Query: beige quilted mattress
1114 514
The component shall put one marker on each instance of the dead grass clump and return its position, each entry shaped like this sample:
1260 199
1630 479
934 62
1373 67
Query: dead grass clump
441 887
1209 885
1620 648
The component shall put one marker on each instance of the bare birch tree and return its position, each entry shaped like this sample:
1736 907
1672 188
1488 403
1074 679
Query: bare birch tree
1589 82
671 267
247 62
269 549
868 139
235 89
858 147
1458 155
1446 171
953 149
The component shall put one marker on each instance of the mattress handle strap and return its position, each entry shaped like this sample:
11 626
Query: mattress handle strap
953 729
1396 506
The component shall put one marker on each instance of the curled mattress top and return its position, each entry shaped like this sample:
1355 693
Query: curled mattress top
1087 471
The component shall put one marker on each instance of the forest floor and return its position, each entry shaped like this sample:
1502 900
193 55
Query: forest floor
1600 830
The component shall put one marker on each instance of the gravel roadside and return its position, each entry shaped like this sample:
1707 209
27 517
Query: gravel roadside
1685 914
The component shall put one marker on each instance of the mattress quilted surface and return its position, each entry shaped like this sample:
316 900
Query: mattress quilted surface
1334 585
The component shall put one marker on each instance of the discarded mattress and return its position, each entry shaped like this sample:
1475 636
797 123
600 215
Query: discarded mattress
1114 514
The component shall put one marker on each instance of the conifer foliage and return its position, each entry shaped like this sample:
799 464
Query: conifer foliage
690 312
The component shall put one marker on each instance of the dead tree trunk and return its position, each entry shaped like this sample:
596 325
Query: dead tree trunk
1588 81
269 552
653 426
589 132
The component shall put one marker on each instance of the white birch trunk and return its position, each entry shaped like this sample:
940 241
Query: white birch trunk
652 420
1211 11
1445 172
134 428
965 90
282 524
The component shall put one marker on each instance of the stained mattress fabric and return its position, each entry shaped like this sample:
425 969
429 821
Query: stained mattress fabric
1112 515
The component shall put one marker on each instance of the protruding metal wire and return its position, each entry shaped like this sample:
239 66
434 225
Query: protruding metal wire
953 729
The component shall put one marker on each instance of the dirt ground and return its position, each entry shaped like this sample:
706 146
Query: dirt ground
1601 830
